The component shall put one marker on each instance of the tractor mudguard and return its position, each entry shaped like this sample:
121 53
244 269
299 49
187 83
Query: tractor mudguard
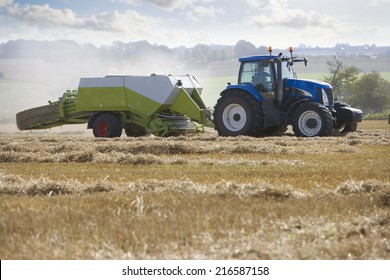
244 87
293 107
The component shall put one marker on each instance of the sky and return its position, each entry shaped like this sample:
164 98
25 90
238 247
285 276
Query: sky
278 23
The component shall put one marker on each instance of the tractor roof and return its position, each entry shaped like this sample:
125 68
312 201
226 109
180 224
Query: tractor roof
257 58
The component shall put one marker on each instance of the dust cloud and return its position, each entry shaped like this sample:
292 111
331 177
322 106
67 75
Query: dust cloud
31 76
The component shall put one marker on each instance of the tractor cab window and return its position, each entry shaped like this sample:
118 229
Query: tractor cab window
257 73
287 70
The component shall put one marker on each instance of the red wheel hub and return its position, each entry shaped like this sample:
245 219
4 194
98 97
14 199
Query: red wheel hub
103 128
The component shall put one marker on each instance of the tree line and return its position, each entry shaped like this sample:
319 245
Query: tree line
369 91
198 54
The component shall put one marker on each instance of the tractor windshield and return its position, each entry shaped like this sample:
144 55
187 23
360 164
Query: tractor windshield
287 70
256 72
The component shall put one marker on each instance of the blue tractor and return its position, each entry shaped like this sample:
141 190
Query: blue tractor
269 97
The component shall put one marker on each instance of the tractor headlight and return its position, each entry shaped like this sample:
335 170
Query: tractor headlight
325 98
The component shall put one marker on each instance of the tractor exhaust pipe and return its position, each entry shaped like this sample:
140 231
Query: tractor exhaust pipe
279 86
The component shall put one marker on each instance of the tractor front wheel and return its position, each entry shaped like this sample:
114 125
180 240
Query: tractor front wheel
107 126
312 119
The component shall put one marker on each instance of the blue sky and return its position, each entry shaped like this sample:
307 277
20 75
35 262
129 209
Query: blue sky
279 23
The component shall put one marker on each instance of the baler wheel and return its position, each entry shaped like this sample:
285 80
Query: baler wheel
36 118
108 126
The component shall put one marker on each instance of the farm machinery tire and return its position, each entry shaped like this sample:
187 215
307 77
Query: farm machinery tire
238 113
312 119
107 126
36 118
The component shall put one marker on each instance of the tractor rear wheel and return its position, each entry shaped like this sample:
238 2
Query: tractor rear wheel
107 125
312 119
238 113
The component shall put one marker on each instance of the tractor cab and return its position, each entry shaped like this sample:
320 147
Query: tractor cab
262 73
276 83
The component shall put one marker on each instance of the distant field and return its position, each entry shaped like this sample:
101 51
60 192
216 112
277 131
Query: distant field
386 75
71 196
320 76
213 86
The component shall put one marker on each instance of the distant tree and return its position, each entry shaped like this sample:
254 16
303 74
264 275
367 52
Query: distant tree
342 46
263 50
228 52
341 77
244 48
371 93
1 75
202 52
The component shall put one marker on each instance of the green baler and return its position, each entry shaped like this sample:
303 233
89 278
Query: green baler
162 104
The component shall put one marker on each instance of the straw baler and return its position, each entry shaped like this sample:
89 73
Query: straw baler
162 104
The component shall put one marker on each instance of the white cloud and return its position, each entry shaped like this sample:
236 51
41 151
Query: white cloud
43 22
169 5
295 19
128 2
44 15
275 13
5 3
378 2
259 21
201 12
267 4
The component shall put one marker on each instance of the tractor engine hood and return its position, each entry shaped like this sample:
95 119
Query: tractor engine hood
320 92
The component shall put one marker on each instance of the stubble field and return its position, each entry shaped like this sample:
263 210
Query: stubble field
71 196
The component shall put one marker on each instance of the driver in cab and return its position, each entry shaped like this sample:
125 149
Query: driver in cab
262 79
